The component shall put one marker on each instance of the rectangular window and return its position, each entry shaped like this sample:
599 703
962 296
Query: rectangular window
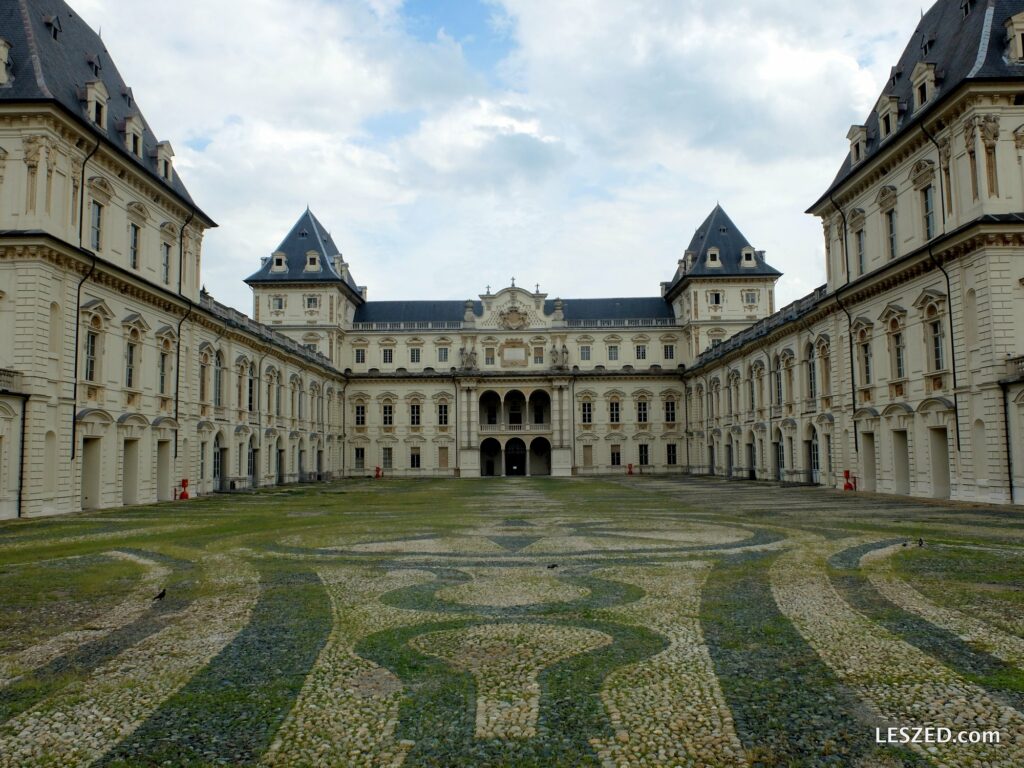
645 454
716 298
133 245
898 355
865 355
670 411
91 342
360 458
928 209
641 412
277 303
360 415
442 354
538 355
641 351
312 302
385 457
442 457
861 258
585 352
203 373
613 352
613 412
388 415
616 455
165 359
670 454
442 414
96 225
414 355
890 230
388 355
489 356
360 356
131 351
750 298
938 361
414 414
587 412
414 458
165 262
202 461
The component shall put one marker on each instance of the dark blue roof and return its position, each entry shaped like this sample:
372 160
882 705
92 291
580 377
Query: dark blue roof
307 235
57 70
454 311
961 48
719 231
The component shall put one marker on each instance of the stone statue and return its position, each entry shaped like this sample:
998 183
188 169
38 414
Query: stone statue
555 362
471 359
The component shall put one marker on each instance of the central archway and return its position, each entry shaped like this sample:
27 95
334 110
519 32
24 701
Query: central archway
515 457
540 456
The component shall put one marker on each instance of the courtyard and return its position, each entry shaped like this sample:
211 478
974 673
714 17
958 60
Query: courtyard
514 622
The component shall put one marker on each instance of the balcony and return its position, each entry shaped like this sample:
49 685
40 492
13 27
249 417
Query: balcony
10 381
502 427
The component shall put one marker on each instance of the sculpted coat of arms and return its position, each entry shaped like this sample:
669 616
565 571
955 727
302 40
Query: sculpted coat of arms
513 318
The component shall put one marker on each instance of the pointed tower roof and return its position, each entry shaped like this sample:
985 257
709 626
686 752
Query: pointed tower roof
54 54
719 232
307 235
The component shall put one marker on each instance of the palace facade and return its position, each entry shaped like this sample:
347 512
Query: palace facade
120 377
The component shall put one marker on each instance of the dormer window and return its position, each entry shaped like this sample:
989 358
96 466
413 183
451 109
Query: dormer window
312 261
164 167
713 259
133 136
858 137
95 65
96 98
748 258
278 263
966 6
887 110
1015 36
53 26
923 78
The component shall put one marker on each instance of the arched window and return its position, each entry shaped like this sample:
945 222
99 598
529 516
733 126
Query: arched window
204 377
897 350
812 373
935 339
252 387
218 380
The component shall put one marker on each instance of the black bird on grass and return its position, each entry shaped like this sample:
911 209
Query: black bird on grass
162 594
904 543
920 542
553 565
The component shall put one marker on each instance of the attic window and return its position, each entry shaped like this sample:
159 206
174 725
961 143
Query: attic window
53 24
312 261
927 42
94 64
278 262
713 257
886 124
165 168
304 234
966 6
723 230
97 113
748 257
922 94
136 145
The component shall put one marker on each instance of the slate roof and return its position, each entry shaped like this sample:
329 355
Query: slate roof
719 231
307 235
573 309
961 48
43 69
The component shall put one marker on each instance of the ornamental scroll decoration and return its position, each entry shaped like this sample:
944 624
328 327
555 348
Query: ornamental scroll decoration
514 318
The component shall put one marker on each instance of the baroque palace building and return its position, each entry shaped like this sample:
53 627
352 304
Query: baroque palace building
120 377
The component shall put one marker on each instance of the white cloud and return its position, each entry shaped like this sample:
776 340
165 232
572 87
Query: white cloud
584 163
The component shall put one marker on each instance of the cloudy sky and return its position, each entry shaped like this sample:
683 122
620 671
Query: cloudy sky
452 144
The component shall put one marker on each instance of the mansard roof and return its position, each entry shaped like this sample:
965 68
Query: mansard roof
307 235
961 48
47 69
642 308
719 232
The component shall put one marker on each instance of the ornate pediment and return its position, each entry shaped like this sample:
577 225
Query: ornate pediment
514 309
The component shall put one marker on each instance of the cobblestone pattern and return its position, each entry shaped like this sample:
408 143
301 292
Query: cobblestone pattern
348 709
510 587
668 710
1000 644
505 660
125 612
905 686
85 720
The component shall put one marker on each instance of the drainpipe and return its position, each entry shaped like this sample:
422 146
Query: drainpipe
188 312
458 448
849 326
21 453
344 414
78 302
1009 448
949 286
686 424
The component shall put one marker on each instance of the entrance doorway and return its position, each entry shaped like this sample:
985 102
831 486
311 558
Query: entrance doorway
92 463
940 462
540 456
515 457
490 458
728 459
867 450
130 473
813 459
751 462
163 470
900 462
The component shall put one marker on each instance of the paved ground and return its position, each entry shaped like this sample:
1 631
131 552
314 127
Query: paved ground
638 622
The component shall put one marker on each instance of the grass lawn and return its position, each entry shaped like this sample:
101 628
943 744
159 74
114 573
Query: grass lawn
513 622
